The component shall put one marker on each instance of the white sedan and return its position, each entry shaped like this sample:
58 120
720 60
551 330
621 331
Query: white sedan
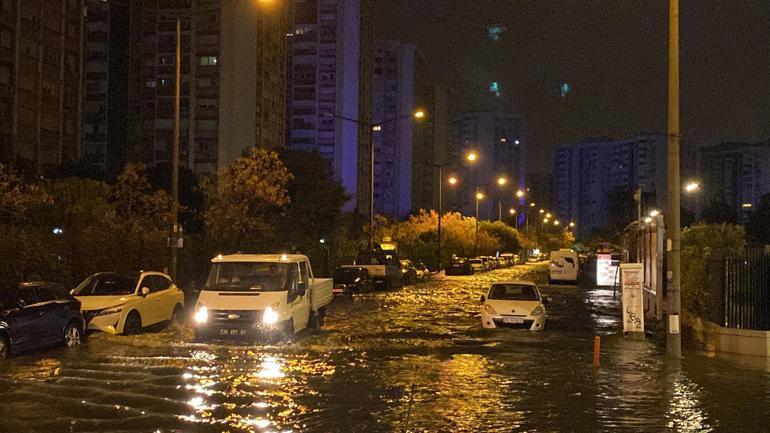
513 304
118 304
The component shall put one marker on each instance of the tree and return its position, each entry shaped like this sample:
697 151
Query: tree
244 200
508 238
758 228
18 197
314 210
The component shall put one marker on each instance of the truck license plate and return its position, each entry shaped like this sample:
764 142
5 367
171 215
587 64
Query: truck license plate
514 320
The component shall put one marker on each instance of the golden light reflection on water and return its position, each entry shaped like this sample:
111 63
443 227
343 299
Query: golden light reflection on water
684 411
252 391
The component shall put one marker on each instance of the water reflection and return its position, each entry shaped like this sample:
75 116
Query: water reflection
357 375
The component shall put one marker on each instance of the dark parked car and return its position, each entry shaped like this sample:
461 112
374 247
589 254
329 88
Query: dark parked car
38 314
351 279
408 272
459 266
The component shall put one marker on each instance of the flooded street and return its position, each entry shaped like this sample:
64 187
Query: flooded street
416 356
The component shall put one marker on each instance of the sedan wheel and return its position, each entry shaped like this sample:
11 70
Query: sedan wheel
72 335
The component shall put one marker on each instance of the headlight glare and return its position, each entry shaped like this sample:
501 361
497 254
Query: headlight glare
270 316
202 315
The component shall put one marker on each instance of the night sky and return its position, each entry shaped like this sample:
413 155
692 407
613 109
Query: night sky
613 55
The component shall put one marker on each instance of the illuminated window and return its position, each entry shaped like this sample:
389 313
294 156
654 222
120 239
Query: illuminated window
209 61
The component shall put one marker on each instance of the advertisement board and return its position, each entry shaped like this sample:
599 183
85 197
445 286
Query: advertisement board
606 270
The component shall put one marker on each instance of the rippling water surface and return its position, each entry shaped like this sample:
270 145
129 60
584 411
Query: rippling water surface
417 357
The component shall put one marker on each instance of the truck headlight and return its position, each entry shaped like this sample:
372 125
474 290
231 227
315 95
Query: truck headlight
202 315
537 311
270 316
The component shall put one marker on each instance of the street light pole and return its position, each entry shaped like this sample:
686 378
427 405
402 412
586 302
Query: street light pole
476 233
438 249
173 241
673 336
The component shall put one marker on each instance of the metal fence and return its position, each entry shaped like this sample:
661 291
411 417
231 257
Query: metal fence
741 290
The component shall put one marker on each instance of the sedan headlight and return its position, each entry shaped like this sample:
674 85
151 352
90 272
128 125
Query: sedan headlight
489 310
537 311
202 315
108 311
270 316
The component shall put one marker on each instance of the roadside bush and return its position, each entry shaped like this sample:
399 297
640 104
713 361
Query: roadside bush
701 243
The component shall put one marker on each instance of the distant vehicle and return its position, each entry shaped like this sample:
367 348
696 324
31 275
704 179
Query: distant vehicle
564 266
350 279
477 264
408 272
385 269
459 266
36 315
126 304
509 259
423 273
513 304
489 263
261 295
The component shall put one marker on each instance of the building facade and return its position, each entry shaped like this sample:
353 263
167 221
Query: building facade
233 64
586 173
735 175
393 102
330 74
105 101
41 71
499 142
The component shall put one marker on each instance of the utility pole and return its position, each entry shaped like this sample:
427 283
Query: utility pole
438 250
173 239
673 335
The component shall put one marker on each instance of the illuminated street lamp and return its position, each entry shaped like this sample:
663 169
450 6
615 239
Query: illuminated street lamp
654 213
452 180
512 211
542 211
556 222
419 114
571 224
692 186
548 215
520 194
472 156
501 181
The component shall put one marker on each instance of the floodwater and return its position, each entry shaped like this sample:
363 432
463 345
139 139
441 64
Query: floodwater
415 359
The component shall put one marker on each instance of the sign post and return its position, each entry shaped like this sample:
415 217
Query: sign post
606 270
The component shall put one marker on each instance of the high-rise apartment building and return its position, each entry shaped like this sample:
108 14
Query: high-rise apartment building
498 140
735 175
586 173
432 145
330 81
105 101
393 102
41 51
233 64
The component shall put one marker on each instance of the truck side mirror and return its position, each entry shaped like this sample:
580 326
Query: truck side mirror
301 289
483 299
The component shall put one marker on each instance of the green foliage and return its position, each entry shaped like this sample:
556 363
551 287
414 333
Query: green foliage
16 196
239 206
701 243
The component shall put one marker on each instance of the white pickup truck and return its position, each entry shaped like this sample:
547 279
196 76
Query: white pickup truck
261 295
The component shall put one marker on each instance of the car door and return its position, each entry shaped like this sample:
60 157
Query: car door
151 305
50 318
299 304
25 331
167 294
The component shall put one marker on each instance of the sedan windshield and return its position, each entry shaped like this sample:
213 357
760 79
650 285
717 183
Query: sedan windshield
514 292
251 276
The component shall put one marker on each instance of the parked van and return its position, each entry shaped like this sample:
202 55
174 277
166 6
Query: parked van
563 267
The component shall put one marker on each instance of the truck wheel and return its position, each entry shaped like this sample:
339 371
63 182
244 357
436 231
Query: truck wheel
287 331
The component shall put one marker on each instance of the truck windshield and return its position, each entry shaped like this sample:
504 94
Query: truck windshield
251 276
